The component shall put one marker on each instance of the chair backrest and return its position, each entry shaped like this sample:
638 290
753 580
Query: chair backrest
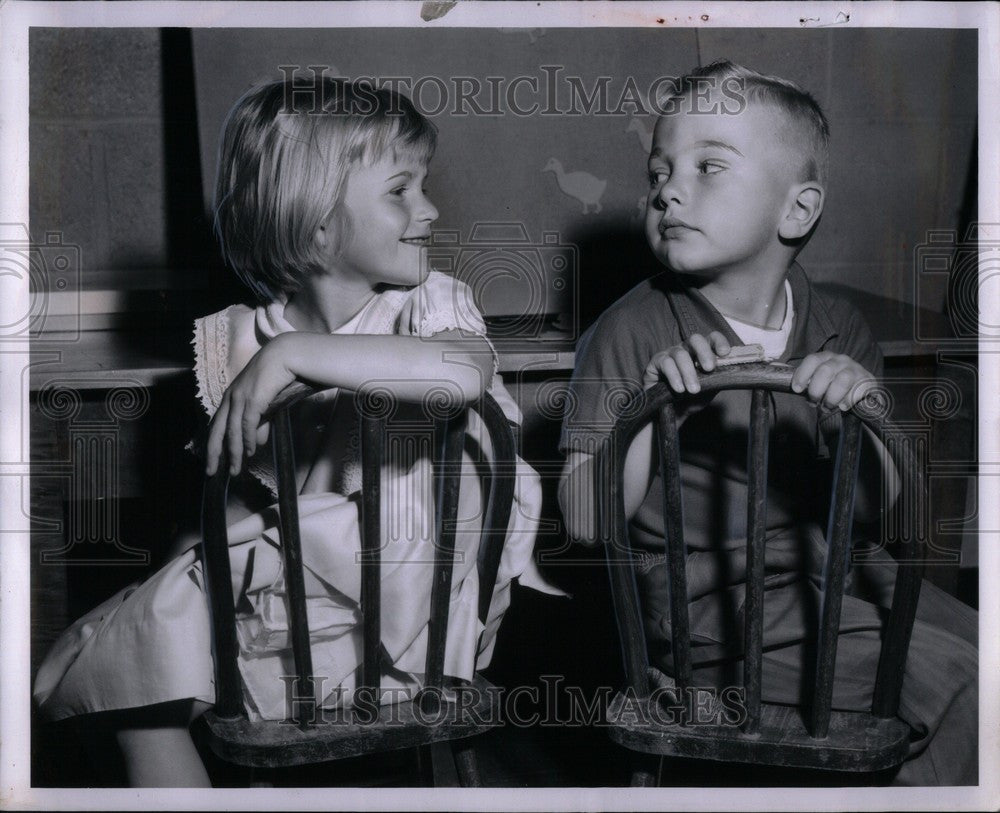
449 434
657 404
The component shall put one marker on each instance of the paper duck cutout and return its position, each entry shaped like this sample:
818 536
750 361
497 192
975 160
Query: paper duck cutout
639 213
580 185
533 33
637 126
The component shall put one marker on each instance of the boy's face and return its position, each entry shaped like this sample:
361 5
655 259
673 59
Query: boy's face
719 184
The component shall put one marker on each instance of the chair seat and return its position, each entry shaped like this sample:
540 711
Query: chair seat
339 733
856 740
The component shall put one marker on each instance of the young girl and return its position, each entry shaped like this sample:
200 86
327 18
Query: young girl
322 213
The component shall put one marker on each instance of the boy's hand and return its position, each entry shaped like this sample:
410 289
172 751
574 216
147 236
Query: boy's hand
675 365
237 421
832 380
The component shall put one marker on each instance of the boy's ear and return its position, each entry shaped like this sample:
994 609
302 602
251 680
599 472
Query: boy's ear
322 236
805 205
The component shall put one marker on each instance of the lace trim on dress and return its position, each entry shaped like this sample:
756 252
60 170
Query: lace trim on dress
265 473
211 354
442 320
211 351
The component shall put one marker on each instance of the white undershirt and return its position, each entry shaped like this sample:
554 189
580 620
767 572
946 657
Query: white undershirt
773 340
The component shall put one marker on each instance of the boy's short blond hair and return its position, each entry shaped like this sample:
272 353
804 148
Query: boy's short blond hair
284 158
809 131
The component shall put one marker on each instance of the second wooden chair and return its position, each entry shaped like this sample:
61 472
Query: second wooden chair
768 734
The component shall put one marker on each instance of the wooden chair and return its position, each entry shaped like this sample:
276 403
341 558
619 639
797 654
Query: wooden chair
771 734
436 714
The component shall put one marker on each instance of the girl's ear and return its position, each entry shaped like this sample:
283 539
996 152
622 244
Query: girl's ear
805 205
322 236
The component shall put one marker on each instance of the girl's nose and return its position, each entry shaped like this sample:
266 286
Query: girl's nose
426 211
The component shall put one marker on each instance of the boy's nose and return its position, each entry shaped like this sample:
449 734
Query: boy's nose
669 192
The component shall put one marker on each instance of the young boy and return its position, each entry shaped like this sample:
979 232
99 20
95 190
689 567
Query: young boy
737 176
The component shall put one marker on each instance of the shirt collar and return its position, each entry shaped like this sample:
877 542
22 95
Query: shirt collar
812 329
270 318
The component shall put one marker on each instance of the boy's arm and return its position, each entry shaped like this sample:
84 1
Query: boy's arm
577 489
878 485
835 382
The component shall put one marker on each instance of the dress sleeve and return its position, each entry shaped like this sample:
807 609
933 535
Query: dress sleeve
443 303
223 344
211 350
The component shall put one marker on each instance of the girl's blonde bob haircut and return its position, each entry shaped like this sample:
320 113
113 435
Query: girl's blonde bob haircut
284 159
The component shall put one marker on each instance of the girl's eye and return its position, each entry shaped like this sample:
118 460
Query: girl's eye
709 167
399 191
657 177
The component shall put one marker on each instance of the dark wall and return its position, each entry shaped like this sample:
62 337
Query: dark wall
111 165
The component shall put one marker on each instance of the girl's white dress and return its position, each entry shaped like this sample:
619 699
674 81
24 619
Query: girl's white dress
151 642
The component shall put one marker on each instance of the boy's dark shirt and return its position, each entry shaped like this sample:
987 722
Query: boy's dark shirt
661 312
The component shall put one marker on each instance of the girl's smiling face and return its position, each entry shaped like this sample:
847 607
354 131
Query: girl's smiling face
390 221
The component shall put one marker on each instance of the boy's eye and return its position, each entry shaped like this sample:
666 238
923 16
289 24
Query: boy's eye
658 176
710 167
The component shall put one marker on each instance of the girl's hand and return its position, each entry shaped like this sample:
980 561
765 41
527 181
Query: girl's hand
237 421
675 365
832 380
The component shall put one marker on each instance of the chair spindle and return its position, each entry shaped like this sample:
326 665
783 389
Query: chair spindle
451 436
218 580
610 508
757 457
673 512
498 505
838 537
372 444
896 640
291 549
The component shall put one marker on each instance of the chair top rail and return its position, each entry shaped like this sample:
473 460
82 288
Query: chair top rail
772 377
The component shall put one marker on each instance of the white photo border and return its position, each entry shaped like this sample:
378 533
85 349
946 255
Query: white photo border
16 18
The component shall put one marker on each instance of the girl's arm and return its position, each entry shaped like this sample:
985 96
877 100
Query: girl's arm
410 367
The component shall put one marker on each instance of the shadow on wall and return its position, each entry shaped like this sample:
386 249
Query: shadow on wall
613 260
